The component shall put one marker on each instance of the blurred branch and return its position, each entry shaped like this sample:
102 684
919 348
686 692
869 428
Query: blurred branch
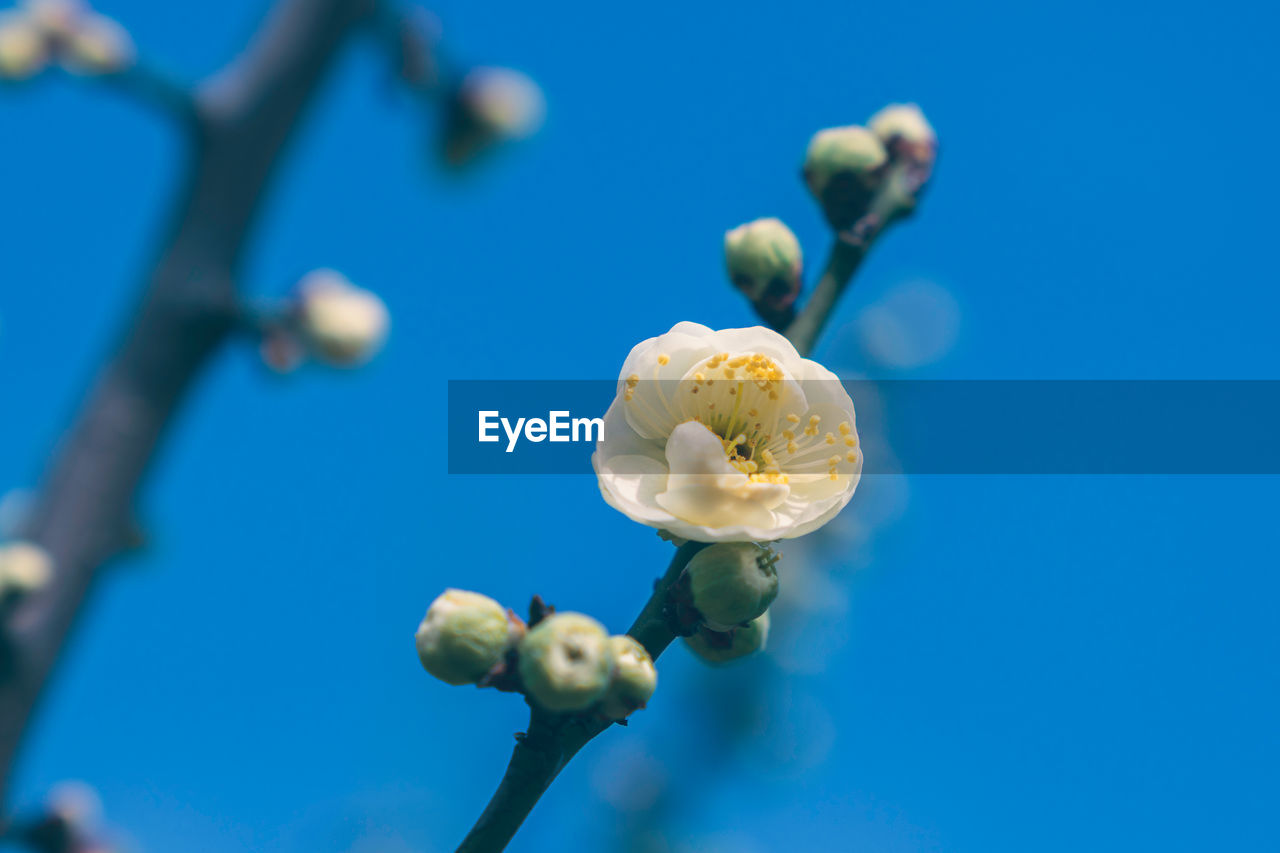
155 88
241 121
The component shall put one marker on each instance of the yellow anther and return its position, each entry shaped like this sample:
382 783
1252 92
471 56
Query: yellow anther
833 461
844 428
850 441
698 377
851 457
795 419
792 447
663 358
830 439
789 435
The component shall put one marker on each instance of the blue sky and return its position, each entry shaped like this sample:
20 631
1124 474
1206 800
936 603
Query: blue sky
1011 663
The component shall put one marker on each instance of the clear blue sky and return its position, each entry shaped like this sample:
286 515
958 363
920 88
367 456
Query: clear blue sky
1018 663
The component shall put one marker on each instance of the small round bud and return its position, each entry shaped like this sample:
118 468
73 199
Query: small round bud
491 105
764 260
23 49
504 100
24 567
462 637
97 45
904 121
842 168
732 583
717 647
634 678
566 662
343 325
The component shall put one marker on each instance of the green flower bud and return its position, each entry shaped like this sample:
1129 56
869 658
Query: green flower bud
842 167
717 647
764 261
634 678
463 636
904 121
566 662
732 583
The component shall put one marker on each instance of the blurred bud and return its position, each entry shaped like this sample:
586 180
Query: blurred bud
904 121
77 803
97 45
343 325
634 678
23 50
732 583
491 105
566 662
56 18
843 167
462 637
717 647
24 568
764 262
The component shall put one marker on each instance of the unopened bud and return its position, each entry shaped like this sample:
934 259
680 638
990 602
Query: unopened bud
634 678
491 105
764 262
904 121
343 325
97 45
56 17
732 583
716 647
463 636
566 662
843 167
24 567
23 50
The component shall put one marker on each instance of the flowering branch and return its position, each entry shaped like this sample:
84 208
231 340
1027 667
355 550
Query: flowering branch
865 180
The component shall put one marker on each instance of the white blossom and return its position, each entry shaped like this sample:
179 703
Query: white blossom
721 436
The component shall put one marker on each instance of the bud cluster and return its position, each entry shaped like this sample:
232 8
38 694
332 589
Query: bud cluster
847 169
67 33
566 663
730 586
